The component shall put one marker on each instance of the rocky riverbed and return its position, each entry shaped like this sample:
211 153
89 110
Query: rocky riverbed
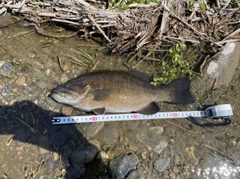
31 65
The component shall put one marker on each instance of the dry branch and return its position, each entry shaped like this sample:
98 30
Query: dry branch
142 26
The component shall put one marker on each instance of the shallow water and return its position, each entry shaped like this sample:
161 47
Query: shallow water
41 63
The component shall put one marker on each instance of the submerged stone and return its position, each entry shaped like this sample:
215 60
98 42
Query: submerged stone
160 146
120 166
161 164
6 68
6 90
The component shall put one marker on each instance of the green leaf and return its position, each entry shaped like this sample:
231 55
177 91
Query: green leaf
182 46
203 6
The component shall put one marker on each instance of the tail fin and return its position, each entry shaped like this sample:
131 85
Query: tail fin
179 90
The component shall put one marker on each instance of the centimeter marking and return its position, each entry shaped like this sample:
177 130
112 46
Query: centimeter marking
126 117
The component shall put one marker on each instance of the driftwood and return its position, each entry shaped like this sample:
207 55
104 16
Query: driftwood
141 27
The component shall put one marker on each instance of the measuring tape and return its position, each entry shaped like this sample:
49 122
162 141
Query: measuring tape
218 111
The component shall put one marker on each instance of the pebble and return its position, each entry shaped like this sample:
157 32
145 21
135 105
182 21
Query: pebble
64 78
172 175
159 147
84 154
109 135
120 166
158 130
177 160
161 164
144 155
55 156
103 156
21 81
6 90
47 72
37 73
6 68
94 128
119 146
42 84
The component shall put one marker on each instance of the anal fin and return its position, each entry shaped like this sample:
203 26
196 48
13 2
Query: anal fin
99 110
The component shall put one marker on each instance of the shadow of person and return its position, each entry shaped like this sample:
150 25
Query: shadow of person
32 146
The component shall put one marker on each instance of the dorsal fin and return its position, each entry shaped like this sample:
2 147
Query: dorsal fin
141 76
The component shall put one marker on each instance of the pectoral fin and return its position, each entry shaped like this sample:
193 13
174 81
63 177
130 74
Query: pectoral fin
99 110
152 108
100 95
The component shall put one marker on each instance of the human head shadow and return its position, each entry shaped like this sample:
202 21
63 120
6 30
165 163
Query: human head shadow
29 123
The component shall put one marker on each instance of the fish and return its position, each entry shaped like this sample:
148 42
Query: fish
120 92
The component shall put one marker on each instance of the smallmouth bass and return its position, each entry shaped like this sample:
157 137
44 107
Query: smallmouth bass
120 92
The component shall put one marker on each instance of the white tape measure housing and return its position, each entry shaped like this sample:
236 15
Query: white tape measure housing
224 110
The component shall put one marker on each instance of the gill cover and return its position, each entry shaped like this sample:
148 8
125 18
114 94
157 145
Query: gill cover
70 93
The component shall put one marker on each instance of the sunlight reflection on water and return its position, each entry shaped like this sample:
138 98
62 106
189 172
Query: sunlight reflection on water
223 170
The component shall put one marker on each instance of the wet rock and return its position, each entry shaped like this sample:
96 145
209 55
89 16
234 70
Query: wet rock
6 90
109 135
84 154
75 171
159 147
217 72
94 128
6 68
161 164
120 166
95 143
